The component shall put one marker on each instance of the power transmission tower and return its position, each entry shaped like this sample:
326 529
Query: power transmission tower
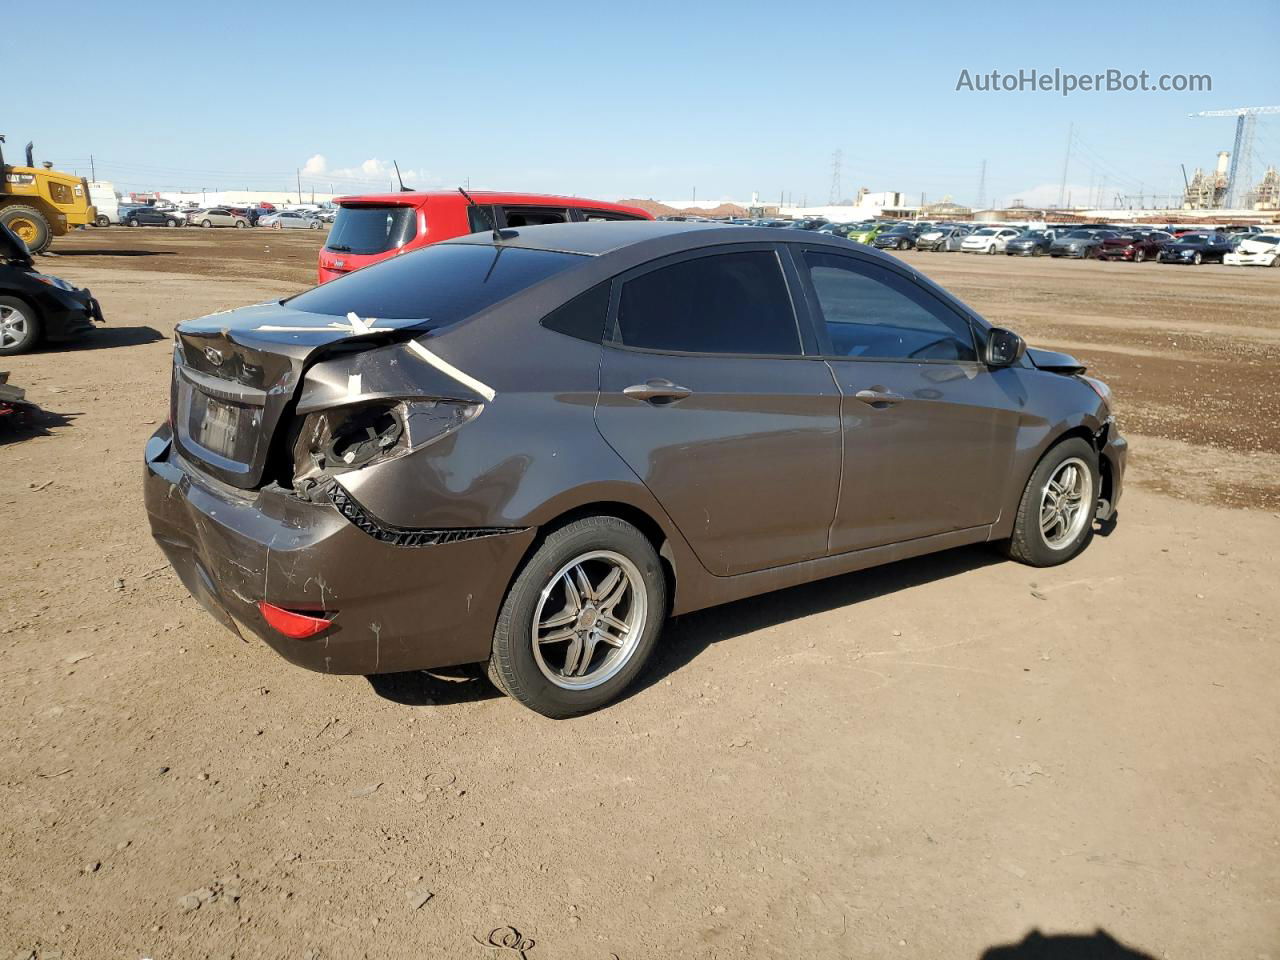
837 161
982 186
1066 161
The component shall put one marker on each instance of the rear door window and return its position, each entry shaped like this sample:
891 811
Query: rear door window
372 229
725 303
608 215
535 216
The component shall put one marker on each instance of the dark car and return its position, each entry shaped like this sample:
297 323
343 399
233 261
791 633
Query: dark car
1135 245
1030 243
900 237
34 306
1196 248
1083 242
152 217
549 441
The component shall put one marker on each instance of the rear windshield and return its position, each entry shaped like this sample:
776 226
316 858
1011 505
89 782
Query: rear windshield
444 283
372 229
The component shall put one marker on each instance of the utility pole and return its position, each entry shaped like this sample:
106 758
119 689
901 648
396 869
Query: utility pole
298 171
93 174
695 194
1066 161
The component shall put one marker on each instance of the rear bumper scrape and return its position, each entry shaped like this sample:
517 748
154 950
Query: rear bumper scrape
398 606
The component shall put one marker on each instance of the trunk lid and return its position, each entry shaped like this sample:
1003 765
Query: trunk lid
235 376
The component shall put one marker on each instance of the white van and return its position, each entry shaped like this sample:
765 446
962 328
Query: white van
102 194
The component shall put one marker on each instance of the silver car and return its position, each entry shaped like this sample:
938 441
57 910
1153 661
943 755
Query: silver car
942 239
217 217
291 220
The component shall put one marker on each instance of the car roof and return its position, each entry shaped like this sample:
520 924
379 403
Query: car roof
415 198
638 241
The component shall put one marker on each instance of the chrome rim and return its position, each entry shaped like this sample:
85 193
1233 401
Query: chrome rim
13 326
1064 503
589 620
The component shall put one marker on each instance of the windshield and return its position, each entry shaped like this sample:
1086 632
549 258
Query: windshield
1079 235
1194 238
444 284
900 228
369 230
985 232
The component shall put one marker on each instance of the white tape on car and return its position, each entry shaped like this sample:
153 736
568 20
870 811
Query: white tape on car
447 368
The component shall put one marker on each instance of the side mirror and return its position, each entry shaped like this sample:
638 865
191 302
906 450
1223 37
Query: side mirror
1004 348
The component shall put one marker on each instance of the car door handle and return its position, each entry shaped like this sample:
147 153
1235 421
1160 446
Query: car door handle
657 391
878 398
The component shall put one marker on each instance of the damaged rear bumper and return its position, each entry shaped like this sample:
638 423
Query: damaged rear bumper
397 607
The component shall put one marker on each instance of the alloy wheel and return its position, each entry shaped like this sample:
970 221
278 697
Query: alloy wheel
589 620
1064 503
13 326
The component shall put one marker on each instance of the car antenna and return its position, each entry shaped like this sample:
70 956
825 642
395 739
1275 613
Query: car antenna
403 188
497 234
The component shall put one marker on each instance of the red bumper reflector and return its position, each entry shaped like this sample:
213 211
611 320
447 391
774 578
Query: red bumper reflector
299 626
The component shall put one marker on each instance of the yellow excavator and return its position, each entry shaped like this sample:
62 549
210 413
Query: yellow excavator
40 203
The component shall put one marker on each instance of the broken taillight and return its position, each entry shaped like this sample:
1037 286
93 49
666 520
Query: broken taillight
293 624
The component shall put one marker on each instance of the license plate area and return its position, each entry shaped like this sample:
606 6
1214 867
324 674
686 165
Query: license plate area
222 432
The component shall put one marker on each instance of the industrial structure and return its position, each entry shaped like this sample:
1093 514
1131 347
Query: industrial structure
1208 191
1240 176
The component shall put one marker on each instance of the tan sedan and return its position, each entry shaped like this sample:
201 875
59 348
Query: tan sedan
217 217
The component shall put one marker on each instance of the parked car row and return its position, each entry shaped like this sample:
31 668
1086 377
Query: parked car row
157 215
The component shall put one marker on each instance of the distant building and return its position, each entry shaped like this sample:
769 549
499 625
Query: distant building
947 210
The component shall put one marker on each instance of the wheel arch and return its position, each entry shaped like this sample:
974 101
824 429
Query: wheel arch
652 529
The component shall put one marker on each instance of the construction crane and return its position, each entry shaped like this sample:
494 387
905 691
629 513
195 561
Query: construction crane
1240 178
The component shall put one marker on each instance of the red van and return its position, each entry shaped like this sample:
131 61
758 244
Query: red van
373 227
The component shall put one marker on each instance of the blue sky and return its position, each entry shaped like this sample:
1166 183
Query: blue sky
614 100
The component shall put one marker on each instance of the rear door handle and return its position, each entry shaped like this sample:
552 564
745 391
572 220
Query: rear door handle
878 398
657 391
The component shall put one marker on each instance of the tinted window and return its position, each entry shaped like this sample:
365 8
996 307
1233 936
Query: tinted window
444 283
875 314
729 303
371 229
583 316
594 215
535 216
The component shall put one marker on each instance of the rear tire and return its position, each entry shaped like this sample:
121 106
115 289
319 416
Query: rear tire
133 222
580 671
240 224
1054 523
171 222
1139 255
206 223
19 326
1198 258
102 221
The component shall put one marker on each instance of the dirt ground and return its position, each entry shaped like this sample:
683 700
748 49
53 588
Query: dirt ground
926 760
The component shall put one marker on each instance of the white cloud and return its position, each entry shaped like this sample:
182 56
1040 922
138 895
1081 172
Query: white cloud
1046 195
377 174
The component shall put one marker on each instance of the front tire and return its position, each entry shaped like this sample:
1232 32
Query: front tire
1055 516
580 619
133 222
1198 258
206 224
102 221
19 326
